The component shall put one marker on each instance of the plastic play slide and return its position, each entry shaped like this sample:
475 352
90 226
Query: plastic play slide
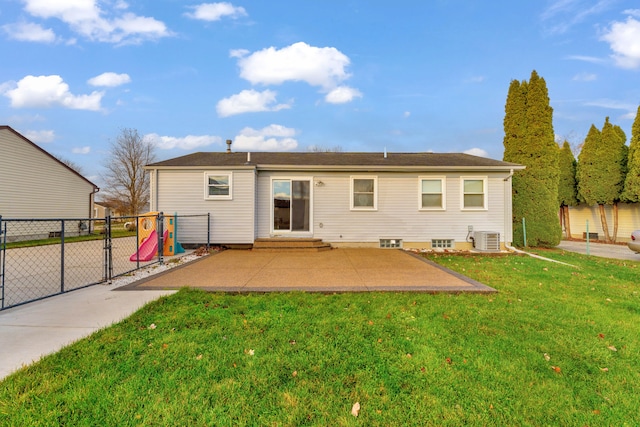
148 248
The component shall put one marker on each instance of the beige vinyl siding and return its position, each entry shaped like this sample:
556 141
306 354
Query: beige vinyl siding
34 185
231 221
397 216
628 220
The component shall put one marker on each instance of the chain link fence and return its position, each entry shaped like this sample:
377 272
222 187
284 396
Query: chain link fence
40 258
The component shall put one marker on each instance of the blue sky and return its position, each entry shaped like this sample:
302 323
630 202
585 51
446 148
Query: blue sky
405 76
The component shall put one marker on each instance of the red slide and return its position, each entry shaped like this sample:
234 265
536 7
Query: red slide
148 248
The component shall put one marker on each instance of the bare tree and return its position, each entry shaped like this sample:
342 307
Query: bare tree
321 149
70 164
126 180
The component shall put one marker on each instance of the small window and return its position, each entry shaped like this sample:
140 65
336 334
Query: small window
364 193
391 243
217 186
474 193
442 243
432 193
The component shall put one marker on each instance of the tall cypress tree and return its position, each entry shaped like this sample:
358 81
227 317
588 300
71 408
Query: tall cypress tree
602 166
529 140
631 191
567 185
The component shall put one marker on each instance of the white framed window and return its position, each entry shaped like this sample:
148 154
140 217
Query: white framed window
432 193
474 193
218 185
364 193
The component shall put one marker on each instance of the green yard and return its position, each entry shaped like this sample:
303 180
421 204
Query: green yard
556 346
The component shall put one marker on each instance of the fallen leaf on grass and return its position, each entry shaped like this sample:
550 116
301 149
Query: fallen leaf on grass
355 409
448 360
250 352
604 369
547 357
556 369
409 355
370 322
612 348
601 336
152 326
165 345
199 357
294 374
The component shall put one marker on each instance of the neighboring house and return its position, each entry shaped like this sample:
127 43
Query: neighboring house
34 184
410 200
628 221
100 209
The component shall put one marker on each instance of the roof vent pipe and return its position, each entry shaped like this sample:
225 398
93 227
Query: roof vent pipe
248 156
385 152
229 142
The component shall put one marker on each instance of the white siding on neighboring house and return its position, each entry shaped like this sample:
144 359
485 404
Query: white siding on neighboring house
35 185
397 215
628 220
183 192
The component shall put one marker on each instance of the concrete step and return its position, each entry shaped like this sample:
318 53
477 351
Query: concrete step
290 244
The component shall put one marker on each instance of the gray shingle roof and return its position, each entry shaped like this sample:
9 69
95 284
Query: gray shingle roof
332 159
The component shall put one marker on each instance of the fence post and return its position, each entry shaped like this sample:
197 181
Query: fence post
3 246
61 255
160 227
108 260
208 230
524 231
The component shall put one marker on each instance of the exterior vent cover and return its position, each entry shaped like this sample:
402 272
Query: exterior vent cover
486 241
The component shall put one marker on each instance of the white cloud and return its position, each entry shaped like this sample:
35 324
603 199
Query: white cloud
624 41
476 152
29 32
591 59
317 66
109 80
561 15
249 101
81 150
342 95
40 136
216 11
407 113
105 22
188 142
48 91
632 12
585 77
475 79
271 138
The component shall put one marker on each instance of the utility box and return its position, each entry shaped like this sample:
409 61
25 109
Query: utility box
486 241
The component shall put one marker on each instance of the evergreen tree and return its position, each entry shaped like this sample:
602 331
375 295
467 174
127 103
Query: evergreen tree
601 171
529 140
631 191
567 186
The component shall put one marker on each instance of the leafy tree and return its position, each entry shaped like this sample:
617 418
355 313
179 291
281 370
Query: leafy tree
567 185
529 140
127 183
601 171
631 192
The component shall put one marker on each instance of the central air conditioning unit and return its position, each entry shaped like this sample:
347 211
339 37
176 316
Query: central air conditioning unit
486 240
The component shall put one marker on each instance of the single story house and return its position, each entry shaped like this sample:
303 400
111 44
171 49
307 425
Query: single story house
410 200
36 185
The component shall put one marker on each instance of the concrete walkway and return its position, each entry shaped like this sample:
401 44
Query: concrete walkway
30 331
600 249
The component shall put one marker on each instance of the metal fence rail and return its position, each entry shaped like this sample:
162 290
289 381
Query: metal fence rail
40 258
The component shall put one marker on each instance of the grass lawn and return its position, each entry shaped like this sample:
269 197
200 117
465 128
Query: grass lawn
556 346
